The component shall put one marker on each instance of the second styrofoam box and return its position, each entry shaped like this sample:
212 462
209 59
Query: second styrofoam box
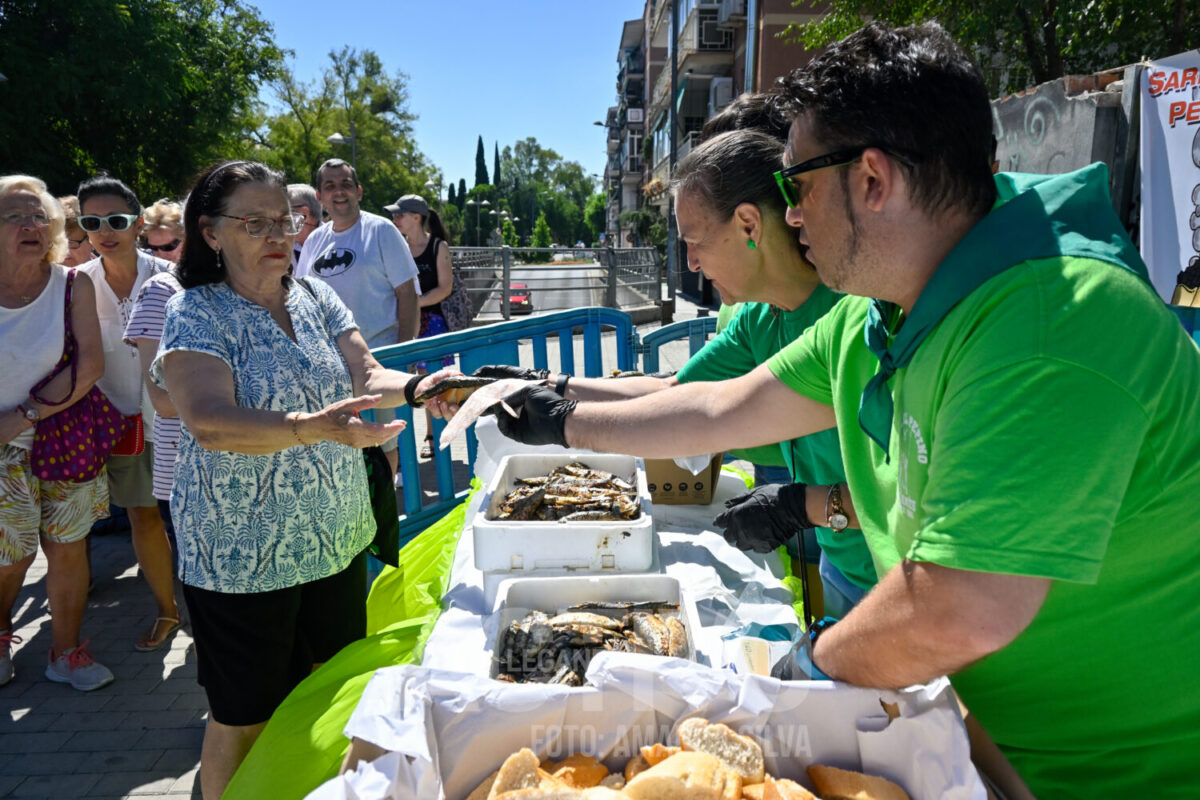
517 597
607 546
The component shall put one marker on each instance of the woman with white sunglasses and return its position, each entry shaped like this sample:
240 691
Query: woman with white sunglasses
112 217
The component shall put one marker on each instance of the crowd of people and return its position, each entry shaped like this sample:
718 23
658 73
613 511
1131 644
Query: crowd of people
202 324
998 477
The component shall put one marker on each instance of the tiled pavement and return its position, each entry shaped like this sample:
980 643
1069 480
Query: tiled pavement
140 736
137 737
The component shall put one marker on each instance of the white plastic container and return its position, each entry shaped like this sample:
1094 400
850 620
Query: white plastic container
608 546
517 597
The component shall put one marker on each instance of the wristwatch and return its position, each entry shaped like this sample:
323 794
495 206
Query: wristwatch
31 414
835 513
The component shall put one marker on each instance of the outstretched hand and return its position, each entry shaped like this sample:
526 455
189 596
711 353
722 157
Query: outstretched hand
340 422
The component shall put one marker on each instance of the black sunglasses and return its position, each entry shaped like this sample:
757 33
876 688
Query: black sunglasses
159 248
838 158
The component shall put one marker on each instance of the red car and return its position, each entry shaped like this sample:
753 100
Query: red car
519 301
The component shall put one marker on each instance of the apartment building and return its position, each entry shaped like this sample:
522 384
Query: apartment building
723 48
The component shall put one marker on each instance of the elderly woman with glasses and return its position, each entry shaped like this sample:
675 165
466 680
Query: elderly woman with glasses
162 234
34 308
112 217
268 375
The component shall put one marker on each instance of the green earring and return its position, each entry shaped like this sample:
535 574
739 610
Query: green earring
750 243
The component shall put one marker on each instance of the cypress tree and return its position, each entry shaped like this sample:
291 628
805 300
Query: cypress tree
450 200
481 175
496 166
462 193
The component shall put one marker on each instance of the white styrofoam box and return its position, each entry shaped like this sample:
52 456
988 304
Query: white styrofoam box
517 597
607 546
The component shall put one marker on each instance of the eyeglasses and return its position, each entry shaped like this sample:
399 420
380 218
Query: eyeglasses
258 227
26 220
115 222
838 158
75 244
162 248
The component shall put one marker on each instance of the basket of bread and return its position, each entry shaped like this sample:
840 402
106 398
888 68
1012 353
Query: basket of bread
645 726
711 762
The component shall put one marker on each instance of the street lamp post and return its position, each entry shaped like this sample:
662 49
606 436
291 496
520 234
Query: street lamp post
478 206
436 186
352 140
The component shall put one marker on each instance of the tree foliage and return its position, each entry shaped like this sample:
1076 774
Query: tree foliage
1019 43
481 175
496 165
541 232
536 180
509 233
450 198
595 214
462 193
355 97
150 90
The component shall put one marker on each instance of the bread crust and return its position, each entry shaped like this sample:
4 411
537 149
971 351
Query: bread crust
833 783
687 776
740 753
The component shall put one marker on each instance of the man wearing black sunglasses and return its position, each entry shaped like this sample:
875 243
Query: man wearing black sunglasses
1024 466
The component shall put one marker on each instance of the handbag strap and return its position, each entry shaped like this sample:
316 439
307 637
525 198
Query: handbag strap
68 357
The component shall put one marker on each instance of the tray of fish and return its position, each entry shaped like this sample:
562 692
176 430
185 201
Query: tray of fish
550 628
583 512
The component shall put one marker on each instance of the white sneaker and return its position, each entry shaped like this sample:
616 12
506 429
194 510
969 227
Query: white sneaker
77 668
7 640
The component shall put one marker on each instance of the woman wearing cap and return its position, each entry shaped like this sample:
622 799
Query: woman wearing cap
427 239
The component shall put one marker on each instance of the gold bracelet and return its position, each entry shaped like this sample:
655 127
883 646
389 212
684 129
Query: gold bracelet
294 416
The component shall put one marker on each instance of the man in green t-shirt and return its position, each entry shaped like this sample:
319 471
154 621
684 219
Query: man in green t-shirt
1016 411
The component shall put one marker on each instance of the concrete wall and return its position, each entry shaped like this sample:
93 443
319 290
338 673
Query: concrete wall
1064 125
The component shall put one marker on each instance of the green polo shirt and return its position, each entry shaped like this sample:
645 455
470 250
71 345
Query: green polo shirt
1047 427
758 332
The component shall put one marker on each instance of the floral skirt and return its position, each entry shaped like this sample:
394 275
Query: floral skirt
433 323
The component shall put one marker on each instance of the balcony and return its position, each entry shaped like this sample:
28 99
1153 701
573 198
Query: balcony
703 34
731 13
632 168
613 170
690 140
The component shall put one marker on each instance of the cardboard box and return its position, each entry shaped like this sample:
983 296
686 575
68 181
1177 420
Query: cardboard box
672 485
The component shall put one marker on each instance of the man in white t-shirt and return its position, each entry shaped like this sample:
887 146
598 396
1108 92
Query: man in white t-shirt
363 257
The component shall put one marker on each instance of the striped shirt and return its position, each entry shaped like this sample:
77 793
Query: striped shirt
146 322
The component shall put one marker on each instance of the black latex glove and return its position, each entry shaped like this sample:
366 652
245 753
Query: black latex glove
764 518
509 371
542 416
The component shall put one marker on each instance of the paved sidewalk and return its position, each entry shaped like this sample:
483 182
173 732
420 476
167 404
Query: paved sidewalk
140 736
137 737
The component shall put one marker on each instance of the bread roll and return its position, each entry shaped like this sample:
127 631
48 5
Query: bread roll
519 771
635 766
687 776
785 790
835 784
740 753
658 753
579 771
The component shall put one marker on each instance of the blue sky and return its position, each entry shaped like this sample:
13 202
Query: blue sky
503 70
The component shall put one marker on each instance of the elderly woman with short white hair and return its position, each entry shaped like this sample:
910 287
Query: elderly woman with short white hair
39 299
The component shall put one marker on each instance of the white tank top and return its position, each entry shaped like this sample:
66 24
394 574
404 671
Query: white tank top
31 343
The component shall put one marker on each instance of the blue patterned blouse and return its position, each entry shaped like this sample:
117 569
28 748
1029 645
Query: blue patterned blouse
255 523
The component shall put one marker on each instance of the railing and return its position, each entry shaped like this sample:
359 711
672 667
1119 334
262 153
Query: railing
615 278
690 139
696 330
495 344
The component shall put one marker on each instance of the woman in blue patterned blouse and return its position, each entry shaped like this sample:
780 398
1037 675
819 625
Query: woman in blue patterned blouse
270 497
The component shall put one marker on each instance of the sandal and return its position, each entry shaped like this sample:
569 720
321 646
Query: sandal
427 448
150 643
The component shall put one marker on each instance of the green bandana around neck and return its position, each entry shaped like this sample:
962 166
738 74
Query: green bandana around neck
1036 217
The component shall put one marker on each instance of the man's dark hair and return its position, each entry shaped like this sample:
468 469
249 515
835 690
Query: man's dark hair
198 263
764 111
912 92
733 168
106 185
334 163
